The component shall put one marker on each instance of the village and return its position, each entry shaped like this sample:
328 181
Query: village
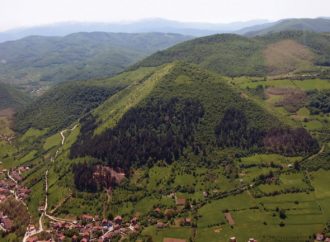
88 227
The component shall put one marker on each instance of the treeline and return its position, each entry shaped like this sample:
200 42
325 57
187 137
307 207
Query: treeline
159 130
233 131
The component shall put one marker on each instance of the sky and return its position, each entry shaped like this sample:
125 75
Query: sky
21 13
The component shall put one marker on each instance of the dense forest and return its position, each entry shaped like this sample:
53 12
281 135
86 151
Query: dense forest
290 141
319 102
61 106
159 130
89 177
233 131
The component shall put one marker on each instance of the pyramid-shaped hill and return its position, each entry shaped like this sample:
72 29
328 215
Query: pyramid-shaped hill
181 110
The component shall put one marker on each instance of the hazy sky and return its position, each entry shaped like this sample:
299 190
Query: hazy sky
16 13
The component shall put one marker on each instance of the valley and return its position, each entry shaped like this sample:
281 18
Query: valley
217 137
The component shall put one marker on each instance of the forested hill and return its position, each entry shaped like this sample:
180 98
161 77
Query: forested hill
79 56
234 55
318 25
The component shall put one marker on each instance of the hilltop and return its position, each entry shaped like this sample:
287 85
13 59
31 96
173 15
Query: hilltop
234 55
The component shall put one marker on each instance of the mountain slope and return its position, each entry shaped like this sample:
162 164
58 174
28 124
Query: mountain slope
67 102
11 97
318 25
235 55
181 111
80 56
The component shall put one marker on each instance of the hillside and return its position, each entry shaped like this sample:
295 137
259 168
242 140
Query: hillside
318 25
234 55
183 108
40 60
67 102
11 97
182 146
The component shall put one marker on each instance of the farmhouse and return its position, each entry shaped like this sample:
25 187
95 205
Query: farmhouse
180 201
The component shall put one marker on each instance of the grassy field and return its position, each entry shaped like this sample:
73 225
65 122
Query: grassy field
319 84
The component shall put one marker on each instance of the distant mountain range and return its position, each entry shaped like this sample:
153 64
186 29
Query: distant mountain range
250 28
79 56
142 26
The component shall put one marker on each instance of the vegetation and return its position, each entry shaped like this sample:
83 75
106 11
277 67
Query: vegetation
80 56
160 130
61 106
208 156
11 97
319 102
234 55
309 25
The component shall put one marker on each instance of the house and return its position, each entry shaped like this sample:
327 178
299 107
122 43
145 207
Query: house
61 237
6 223
252 240
74 238
160 225
134 221
180 201
87 218
157 210
186 222
232 239
32 239
16 176
319 237
118 219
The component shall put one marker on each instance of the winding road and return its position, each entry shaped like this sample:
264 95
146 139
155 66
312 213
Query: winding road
44 213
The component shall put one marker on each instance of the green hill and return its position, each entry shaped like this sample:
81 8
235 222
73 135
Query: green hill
178 108
234 55
80 56
318 25
182 135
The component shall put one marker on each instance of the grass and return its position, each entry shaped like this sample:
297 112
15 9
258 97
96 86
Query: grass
11 163
5 125
212 213
321 181
267 159
172 232
311 84
32 133
52 141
